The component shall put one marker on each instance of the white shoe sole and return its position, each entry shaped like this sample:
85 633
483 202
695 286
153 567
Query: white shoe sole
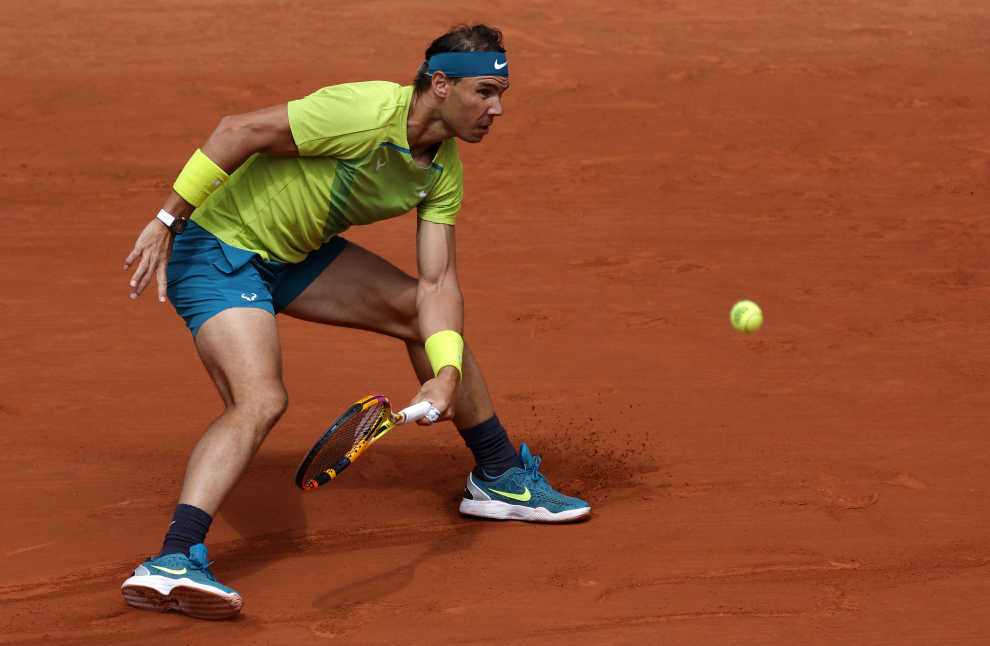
159 594
497 510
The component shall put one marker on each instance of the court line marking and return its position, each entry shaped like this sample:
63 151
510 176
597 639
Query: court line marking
28 549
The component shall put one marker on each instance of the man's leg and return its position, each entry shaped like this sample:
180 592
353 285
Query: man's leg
240 349
361 290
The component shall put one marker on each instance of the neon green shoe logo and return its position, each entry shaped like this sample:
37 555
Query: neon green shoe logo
522 497
176 572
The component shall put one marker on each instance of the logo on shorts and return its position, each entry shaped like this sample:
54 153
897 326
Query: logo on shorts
381 162
249 298
422 193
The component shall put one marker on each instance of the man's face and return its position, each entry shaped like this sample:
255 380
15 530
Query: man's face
472 104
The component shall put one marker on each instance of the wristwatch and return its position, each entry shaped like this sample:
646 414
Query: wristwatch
177 225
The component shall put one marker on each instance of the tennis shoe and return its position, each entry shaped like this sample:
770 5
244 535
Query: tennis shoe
183 583
520 494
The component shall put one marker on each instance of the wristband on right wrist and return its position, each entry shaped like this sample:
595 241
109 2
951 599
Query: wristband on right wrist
199 179
444 349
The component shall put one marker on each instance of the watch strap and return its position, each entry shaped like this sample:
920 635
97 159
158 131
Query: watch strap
166 218
175 225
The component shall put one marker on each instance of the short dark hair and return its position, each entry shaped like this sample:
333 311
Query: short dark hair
461 38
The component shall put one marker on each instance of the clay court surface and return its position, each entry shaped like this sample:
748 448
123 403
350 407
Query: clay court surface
822 481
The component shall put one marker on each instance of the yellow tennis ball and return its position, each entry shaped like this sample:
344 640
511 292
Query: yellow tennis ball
746 316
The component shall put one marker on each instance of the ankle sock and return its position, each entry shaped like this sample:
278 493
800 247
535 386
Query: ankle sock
188 528
491 447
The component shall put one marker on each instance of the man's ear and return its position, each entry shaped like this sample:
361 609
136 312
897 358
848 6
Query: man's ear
441 85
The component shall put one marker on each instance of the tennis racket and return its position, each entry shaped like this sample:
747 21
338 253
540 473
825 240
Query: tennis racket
351 434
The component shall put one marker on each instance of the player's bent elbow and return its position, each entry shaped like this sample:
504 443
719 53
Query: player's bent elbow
443 284
427 288
449 294
226 127
255 132
239 130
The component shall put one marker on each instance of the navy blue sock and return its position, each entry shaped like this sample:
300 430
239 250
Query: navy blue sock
188 528
491 447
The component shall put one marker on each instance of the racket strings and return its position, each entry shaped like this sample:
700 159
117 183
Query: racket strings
345 439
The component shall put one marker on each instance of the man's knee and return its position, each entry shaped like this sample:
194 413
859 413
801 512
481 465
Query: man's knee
273 405
265 407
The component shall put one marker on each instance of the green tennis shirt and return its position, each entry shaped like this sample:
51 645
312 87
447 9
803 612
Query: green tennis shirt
354 167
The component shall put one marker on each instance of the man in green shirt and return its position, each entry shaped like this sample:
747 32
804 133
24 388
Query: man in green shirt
354 166
239 248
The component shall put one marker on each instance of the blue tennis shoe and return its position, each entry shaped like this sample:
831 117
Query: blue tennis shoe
178 582
520 494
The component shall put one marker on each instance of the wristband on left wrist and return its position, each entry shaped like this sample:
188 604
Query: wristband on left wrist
198 179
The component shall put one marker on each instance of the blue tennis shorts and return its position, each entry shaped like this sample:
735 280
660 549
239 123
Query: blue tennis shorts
207 276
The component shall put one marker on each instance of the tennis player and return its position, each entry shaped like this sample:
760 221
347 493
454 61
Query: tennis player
252 229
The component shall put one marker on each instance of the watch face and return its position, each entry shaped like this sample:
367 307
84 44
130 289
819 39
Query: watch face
178 225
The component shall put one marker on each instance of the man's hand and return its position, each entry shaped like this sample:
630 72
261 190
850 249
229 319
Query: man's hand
234 141
440 391
154 248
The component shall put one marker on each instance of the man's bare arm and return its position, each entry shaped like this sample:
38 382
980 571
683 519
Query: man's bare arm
440 305
237 138
230 145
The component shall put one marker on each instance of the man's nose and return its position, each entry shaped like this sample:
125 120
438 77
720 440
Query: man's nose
496 109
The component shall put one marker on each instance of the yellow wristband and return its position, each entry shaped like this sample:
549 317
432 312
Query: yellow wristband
445 349
199 179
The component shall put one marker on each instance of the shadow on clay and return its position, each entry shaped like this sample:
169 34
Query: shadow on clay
265 504
374 588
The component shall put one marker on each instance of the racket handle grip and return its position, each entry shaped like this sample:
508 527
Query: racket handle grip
418 411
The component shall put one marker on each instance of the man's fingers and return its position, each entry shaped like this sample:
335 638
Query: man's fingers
131 257
446 412
153 247
442 394
139 272
162 281
140 278
425 421
144 283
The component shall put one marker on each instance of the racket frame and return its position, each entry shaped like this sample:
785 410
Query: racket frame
387 420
